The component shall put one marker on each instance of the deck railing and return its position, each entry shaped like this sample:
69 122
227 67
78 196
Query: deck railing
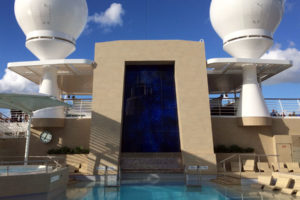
278 107
236 162
15 165
13 126
81 108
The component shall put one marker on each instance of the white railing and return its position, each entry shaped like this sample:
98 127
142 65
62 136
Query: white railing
237 161
14 126
278 107
37 164
81 108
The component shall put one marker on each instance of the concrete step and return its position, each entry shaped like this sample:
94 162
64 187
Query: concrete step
151 163
152 178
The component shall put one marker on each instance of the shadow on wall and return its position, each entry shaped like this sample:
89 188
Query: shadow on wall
105 146
75 133
227 132
282 126
105 143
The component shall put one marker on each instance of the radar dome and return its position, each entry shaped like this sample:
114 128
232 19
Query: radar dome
246 26
51 26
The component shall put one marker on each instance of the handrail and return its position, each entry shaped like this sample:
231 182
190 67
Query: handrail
46 159
70 99
277 107
232 156
198 174
240 163
246 154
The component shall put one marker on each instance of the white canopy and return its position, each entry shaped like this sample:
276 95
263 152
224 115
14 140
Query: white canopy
74 76
28 102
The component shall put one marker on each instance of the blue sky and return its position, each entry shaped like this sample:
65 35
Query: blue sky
156 19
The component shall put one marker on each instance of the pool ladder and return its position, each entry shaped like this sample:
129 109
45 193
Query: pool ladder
117 180
193 175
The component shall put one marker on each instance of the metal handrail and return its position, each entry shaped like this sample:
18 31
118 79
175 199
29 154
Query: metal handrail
223 162
232 156
10 164
277 107
198 174
45 159
80 107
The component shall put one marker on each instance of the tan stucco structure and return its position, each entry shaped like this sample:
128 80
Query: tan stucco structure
34 186
264 139
199 132
191 92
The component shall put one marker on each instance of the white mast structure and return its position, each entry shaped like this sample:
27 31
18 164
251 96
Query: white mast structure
51 28
247 28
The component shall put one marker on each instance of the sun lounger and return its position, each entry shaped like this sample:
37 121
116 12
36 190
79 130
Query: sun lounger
249 165
283 168
275 167
293 167
293 190
263 167
280 184
235 166
280 168
262 181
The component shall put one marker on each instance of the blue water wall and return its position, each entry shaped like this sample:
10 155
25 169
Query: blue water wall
150 122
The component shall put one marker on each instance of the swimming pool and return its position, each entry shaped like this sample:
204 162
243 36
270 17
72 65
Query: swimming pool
22 169
169 192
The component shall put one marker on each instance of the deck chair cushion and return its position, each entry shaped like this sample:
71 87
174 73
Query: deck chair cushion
248 165
263 166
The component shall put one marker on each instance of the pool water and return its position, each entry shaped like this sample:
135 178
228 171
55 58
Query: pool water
151 192
168 192
22 169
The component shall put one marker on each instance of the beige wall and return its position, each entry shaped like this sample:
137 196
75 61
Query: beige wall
263 139
34 185
76 132
191 92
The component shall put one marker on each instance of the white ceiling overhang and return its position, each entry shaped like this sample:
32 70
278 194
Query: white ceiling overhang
225 75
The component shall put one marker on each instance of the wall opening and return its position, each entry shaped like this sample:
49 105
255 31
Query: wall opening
150 120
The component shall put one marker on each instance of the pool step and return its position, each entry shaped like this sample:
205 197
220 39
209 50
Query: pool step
151 163
152 178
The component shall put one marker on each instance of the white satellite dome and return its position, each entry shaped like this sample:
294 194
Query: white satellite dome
246 26
51 26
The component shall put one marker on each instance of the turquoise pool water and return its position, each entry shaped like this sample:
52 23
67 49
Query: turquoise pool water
152 192
171 192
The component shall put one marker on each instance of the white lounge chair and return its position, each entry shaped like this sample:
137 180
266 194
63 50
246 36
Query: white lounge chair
293 167
281 183
249 165
293 190
262 181
263 167
280 168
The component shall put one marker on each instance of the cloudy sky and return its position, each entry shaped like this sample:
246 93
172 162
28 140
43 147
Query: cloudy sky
148 20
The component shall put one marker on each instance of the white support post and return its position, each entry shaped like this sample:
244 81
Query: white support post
251 103
298 103
27 141
281 107
80 108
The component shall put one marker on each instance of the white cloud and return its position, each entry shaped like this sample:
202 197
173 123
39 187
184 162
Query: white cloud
111 17
14 83
291 75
